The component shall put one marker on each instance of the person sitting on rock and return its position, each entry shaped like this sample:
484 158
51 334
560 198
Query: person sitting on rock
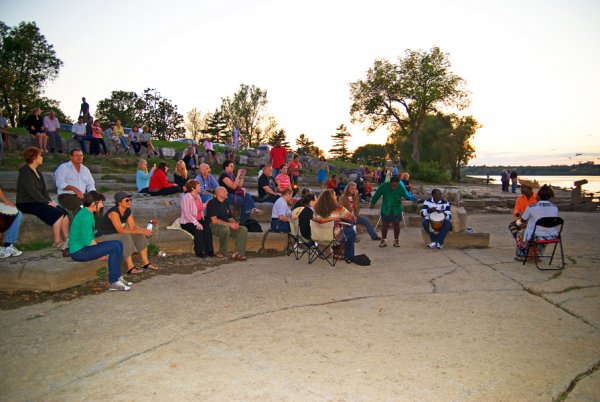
208 183
267 186
134 140
159 184
236 194
181 175
73 180
142 176
281 213
11 233
192 220
118 224
436 204
223 225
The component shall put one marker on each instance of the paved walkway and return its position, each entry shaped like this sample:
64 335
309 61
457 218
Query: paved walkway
418 325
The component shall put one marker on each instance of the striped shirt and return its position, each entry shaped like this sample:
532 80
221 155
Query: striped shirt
441 206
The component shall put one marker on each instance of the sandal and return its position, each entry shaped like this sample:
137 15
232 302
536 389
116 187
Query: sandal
383 243
396 243
150 266
219 255
356 240
238 257
130 270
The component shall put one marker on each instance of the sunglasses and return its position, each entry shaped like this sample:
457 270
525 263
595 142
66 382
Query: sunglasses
127 199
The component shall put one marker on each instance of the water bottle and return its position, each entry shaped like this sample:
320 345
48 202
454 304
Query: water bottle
151 224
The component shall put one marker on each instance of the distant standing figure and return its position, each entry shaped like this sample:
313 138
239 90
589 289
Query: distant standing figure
504 179
322 171
5 134
98 139
513 180
84 110
53 129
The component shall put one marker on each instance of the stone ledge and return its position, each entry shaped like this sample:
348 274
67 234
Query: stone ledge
461 240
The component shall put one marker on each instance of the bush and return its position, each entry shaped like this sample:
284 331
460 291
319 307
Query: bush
429 172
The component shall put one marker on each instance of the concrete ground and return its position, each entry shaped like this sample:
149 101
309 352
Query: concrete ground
417 325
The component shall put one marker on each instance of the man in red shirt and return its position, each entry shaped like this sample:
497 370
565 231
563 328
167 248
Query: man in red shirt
332 183
277 157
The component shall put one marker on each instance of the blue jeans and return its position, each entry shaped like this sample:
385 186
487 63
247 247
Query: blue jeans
124 142
350 236
437 237
113 248
12 233
513 186
276 172
363 220
246 202
81 141
279 226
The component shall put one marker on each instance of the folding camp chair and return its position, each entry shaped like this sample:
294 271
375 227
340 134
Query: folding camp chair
297 245
547 222
326 246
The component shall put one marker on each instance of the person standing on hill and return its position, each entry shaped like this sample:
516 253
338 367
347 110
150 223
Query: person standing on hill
277 157
84 110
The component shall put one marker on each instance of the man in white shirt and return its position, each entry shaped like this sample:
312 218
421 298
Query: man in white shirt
78 130
73 180
53 129
281 213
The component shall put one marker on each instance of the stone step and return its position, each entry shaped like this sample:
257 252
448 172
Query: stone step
462 240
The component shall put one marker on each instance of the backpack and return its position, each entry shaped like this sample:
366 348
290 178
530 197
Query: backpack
361 259
252 225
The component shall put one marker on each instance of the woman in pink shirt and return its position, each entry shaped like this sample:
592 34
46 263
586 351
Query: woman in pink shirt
283 179
192 220
97 137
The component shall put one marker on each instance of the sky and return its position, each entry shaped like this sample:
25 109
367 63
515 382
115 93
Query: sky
531 66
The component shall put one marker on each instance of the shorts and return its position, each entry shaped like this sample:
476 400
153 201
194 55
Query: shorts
391 218
211 152
45 212
144 144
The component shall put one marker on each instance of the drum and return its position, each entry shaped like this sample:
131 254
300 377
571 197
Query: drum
8 215
436 221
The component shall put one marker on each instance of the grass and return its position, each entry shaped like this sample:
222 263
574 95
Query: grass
33 246
102 272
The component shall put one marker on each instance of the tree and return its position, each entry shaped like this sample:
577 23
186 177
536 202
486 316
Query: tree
340 143
51 105
126 106
304 144
245 111
27 63
161 116
216 126
461 150
195 124
371 154
399 96
279 135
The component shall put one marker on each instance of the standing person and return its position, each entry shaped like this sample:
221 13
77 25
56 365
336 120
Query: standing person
391 208
33 198
159 184
395 171
134 140
11 234
98 138
351 202
73 180
142 176
84 110
283 179
277 157
513 180
211 154
192 220
121 135
294 169
236 194
83 245
504 179
146 141
78 130
35 125
281 213
208 183
436 204
223 225
322 171
327 209
267 186
53 129
118 224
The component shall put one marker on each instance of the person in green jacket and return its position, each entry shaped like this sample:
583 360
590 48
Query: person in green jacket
391 208
83 246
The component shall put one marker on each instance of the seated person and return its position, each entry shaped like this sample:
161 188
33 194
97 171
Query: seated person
436 204
340 187
118 224
333 182
35 125
192 220
142 176
404 177
328 209
351 202
191 159
83 246
146 141
281 213
11 233
283 178
307 203
267 186
134 140
236 194
541 209
223 225
33 198
528 197
208 183
159 184
181 175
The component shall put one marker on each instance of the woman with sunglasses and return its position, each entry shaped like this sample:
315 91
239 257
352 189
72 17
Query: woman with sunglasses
118 224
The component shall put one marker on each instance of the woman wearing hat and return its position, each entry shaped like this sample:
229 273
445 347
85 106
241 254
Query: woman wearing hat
527 198
118 224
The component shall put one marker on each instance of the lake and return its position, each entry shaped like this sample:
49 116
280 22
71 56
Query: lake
593 185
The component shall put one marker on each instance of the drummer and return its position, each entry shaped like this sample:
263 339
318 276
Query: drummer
8 210
527 198
436 209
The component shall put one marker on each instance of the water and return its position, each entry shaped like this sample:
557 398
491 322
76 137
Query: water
593 185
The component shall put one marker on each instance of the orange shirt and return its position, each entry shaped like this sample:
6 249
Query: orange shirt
523 202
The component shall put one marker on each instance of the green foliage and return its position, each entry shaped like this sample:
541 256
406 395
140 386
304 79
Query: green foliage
153 249
429 172
340 143
279 136
27 63
126 106
307 147
102 272
371 154
245 111
216 127
161 116
194 123
399 96
36 245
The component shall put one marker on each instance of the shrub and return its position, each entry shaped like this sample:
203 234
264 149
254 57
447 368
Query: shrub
429 171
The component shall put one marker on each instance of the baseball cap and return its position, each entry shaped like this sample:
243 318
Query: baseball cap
120 196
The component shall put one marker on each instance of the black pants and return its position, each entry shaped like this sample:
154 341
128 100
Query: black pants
203 242
136 146
165 191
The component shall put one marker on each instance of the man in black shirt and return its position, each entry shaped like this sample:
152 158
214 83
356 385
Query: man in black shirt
223 225
267 187
84 111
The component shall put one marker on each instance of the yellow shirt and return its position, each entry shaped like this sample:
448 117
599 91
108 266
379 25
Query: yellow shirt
119 130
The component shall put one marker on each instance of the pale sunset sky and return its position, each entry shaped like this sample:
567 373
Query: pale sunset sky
532 67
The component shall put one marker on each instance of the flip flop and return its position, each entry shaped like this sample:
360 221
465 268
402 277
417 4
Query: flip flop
238 257
150 266
130 270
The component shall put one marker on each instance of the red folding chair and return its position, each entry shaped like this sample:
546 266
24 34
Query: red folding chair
547 222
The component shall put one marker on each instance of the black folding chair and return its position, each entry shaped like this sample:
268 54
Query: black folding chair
547 222
297 244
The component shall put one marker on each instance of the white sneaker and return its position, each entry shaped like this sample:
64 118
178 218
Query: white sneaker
118 285
13 250
124 282
439 246
432 245
4 253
